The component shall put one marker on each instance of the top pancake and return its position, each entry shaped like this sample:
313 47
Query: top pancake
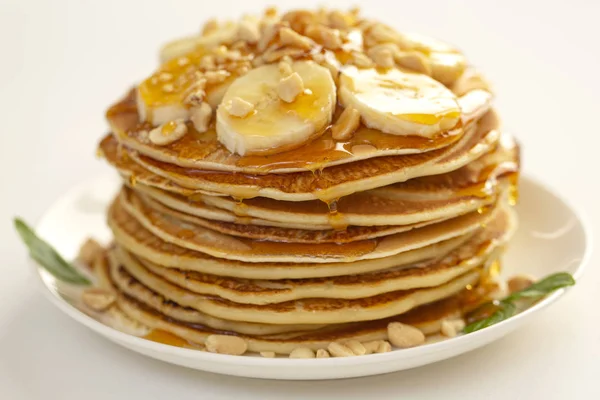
204 151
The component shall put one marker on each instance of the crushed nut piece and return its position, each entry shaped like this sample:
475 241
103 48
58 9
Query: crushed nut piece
98 299
165 77
168 132
339 20
329 38
293 38
322 353
298 19
520 282
201 116
361 60
273 55
196 92
225 344
339 350
290 87
268 32
168 88
88 252
207 62
285 66
384 54
271 12
239 107
384 347
248 32
451 328
213 77
381 33
404 336
415 61
357 347
346 124
302 352
267 354
210 26
372 346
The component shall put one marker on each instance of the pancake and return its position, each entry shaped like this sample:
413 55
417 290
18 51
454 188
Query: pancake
183 286
315 310
203 150
216 244
434 197
427 318
132 236
279 234
135 290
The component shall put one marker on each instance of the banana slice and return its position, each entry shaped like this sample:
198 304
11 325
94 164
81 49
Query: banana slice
275 125
399 103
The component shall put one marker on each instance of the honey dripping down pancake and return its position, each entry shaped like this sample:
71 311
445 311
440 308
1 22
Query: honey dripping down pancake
303 178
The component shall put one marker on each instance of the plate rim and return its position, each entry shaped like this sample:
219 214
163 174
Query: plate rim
410 353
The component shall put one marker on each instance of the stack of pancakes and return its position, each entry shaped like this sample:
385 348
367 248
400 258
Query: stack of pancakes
326 242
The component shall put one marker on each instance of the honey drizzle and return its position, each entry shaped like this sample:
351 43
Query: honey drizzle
164 337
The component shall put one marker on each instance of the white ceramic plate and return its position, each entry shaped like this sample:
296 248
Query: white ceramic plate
551 238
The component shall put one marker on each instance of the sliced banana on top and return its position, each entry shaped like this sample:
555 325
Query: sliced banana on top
399 103
275 125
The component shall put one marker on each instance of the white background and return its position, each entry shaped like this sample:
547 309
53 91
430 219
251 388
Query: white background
61 64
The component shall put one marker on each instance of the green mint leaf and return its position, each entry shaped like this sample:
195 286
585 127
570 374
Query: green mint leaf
47 257
505 311
545 286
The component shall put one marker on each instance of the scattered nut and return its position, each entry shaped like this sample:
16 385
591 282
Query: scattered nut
225 344
302 352
165 77
248 32
168 132
298 19
346 124
293 38
210 26
451 328
267 354
290 87
403 335
201 116
329 38
322 353
384 347
98 299
520 282
384 54
339 350
361 60
357 347
88 252
415 61
239 107
372 346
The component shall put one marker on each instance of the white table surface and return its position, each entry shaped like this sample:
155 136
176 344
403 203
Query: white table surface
62 62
